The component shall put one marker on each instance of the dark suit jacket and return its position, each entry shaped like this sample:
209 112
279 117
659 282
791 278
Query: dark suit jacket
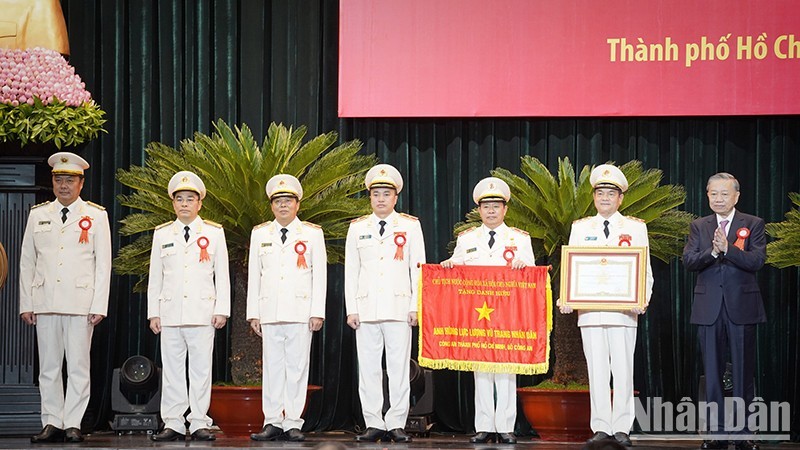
729 278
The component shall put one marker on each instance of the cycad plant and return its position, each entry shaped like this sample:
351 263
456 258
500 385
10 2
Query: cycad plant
784 251
545 206
235 169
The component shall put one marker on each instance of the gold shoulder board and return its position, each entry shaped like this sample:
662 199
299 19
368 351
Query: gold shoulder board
212 223
520 231
635 218
101 208
261 225
408 216
40 204
165 224
581 220
359 219
312 225
468 230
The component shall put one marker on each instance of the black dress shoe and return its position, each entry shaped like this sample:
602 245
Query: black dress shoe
203 434
746 445
482 437
50 433
506 438
268 433
294 435
167 434
73 435
623 439
712 445
371 435
599 436
399 435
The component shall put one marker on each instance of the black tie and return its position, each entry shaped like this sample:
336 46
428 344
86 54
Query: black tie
491 238
382 223
64 214
186 233
605 228
283 235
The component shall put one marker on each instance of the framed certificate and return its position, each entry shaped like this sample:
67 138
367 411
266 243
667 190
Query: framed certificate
603 278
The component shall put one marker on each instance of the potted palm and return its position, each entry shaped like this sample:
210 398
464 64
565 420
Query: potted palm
235 169
784 251
545 206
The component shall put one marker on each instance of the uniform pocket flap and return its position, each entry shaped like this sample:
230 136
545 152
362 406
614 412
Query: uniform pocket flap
83 282
700 289
753 287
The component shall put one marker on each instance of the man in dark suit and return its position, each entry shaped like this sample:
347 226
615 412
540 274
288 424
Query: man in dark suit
726 249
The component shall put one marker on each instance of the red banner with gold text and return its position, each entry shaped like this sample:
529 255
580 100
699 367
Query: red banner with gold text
489 319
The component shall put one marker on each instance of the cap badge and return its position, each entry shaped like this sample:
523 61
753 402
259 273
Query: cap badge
64 159
606 172
185 180
491 185
383 171
282 183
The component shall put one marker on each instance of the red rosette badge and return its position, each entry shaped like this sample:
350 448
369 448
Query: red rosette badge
203 243
300 248
624 239
85 223
508 255
399 241
741 235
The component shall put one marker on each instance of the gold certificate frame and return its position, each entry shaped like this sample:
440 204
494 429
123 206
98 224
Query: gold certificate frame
603 278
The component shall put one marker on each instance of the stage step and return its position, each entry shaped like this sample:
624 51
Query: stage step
20 410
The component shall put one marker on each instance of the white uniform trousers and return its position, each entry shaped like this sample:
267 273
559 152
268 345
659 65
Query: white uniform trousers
59 335
198 341
286 348
609 351
499 418
371 339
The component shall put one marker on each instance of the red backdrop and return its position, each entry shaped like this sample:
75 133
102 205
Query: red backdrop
465 58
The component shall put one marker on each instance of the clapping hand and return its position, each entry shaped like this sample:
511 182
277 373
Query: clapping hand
720 242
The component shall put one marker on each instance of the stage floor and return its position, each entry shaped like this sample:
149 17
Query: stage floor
110 440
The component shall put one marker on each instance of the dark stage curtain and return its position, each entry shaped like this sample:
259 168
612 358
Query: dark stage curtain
165 69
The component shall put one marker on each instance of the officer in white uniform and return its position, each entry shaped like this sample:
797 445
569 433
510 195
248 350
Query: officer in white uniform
286 289
64 279
188 298
383 253
487 245
609 337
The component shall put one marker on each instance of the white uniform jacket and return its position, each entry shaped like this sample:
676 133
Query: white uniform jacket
278 289
472 246
588 232
377 286
58 274
182 290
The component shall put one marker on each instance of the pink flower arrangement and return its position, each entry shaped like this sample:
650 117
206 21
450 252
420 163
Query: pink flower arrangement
42 73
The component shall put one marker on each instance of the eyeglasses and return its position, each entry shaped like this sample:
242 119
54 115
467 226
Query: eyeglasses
189 200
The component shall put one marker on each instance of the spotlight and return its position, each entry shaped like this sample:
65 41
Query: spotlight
420 413
136 395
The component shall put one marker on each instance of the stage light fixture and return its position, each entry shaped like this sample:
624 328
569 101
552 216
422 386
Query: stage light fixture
420 413
136 395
